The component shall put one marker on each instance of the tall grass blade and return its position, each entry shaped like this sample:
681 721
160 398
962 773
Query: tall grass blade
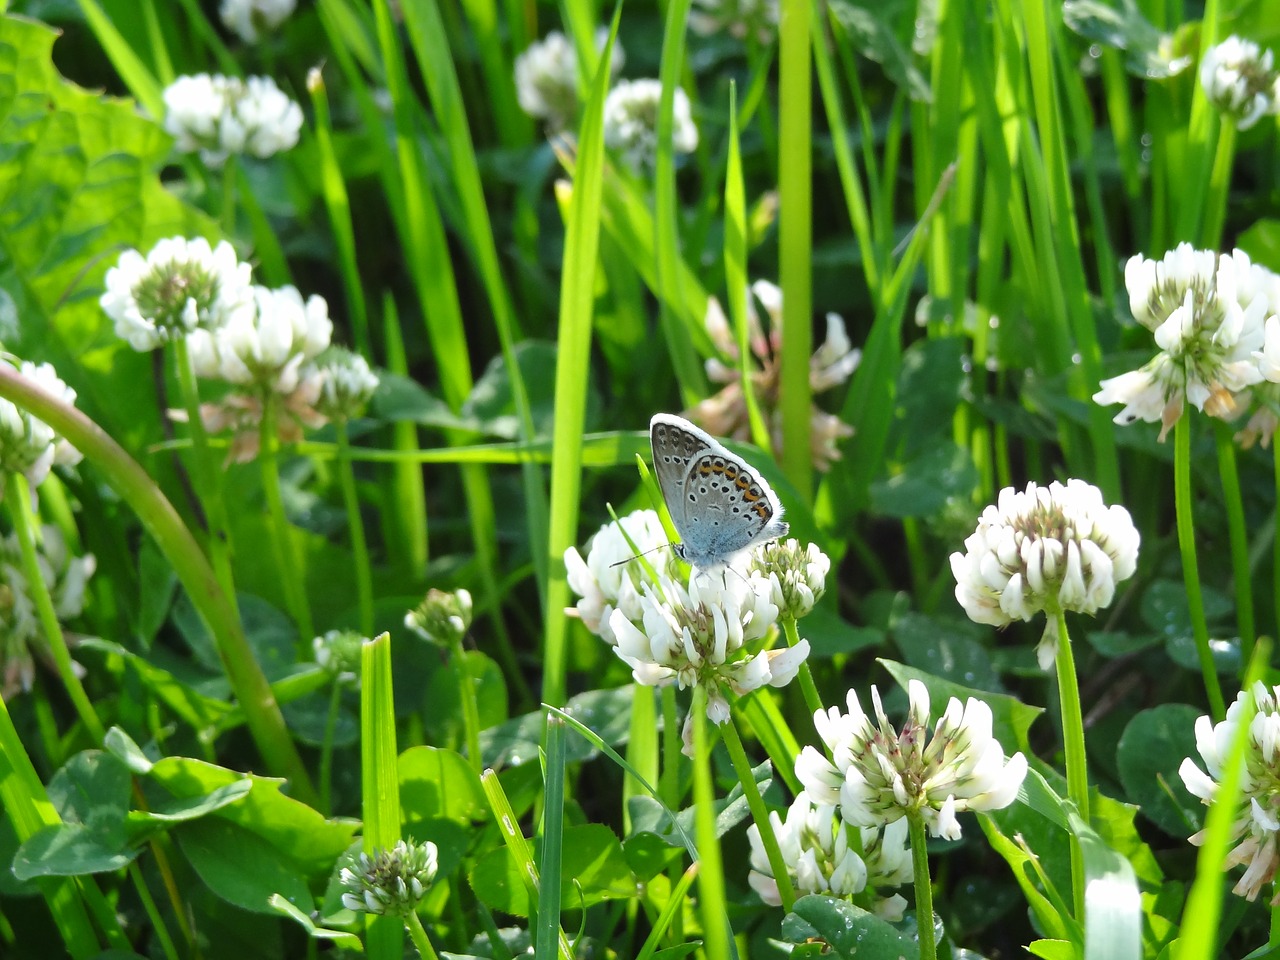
379 780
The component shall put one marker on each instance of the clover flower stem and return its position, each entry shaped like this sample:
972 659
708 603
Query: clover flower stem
1215 205
208 474
419 936
1238 536
812 701
24 525
355 527
1273 936
924 886
715 925
286 557
470 712
158 925
759 813
228 209
326 749
1073 747
1190 566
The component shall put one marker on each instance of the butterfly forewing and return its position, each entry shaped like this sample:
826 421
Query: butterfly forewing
674 450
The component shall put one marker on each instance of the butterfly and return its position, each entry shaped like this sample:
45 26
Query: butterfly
718 502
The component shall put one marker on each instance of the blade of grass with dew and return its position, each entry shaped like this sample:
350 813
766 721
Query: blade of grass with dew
795 242
735 273
135 74
404 526
27 806
684 359
333 188
573 361
435 60
548 922
135 487
379 781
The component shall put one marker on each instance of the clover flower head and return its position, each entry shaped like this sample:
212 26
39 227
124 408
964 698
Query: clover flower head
815 844
241 412
28 445
547 77
267 347
757 19
66 576
337 653
347 383
699 634
219 116
726 413
1207 313
878 775
391 882
250 19
1240 79
612 575
178 286
1256 824
797 575
443 617
631 122
1047 549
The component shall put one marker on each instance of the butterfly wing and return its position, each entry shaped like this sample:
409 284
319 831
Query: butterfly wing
736 508
676 444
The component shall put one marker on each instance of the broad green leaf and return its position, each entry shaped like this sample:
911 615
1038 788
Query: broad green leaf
949 649
648 815
929 384
292 827
1148 754
850 931
592 856
92 789
126 748
436 783
240 866
923 485
442 707
1053 949
198 711
143 823
517 741
340 937
78 183
68 850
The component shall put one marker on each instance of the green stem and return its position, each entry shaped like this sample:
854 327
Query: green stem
208 474
135 487
24 525
228 210
355 527
759 813
924 886
1238 537
419 936
1073 746
158 926
1190 566
326 749
812 701
286 556
470 712
1219 182
717 942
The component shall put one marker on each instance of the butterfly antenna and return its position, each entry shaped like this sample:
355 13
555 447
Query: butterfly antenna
637 556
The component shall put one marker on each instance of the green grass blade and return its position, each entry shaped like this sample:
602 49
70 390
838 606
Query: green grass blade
137 77
547 932
379 781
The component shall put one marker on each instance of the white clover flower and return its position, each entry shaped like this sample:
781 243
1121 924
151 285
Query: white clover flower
1045 549
698 636
220 116
443 617
1266 415
631 122
1207 314
266 348
1240 79
612 575
66 577
338 653
1256 825
347 383
28 445
179 285
797 576
726 415
547 77
392 881
814 841
757 19
250 19
878 775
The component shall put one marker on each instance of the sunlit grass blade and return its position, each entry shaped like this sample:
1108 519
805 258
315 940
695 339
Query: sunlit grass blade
548 926
137 77
379 781
573 359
